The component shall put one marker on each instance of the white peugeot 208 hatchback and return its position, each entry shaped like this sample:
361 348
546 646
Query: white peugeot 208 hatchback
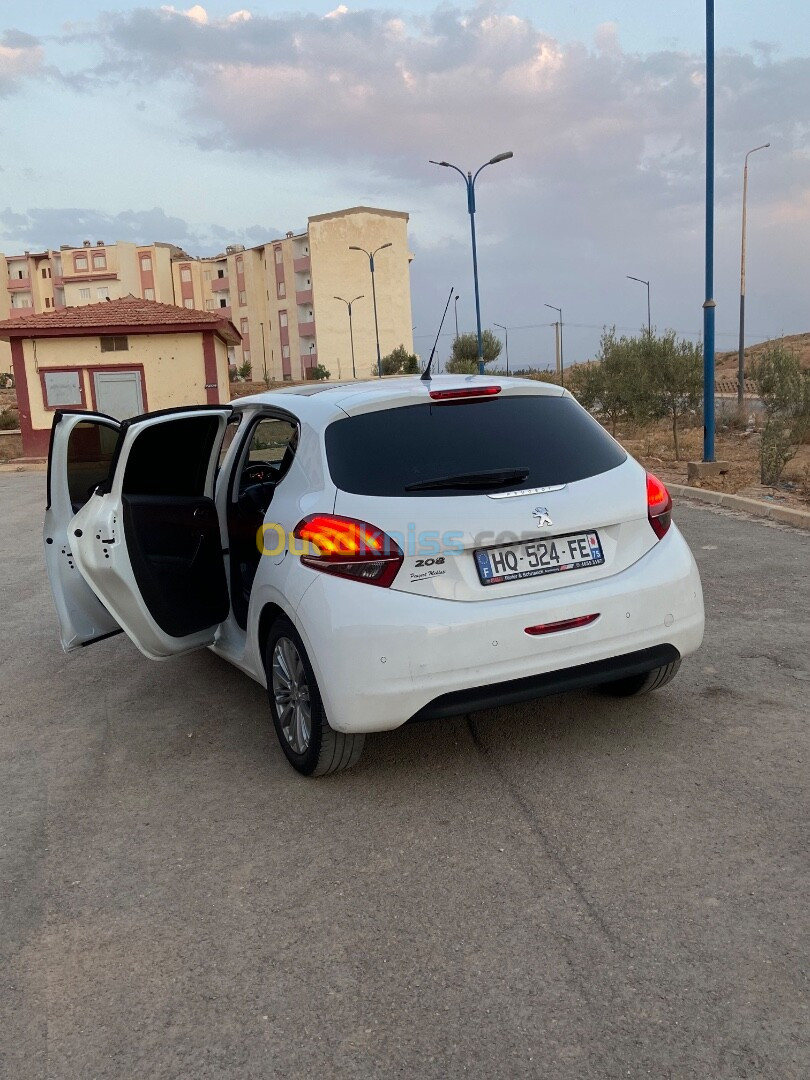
374 552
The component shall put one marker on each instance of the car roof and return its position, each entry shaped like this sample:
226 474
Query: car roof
327 400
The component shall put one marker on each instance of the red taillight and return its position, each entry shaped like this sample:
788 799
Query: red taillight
465 392
563 624
659 506
349 548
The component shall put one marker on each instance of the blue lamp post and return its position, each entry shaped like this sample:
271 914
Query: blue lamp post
469 180
708 303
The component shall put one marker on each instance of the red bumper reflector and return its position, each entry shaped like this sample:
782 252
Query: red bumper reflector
563 624
465 392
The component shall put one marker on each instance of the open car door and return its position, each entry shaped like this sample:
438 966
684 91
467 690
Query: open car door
79 458
148 541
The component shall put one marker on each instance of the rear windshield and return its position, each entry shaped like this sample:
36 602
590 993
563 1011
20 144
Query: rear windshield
385 452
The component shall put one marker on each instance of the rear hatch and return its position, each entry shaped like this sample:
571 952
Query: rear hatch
513 493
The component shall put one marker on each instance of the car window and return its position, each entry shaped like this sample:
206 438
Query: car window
273 443
229 435
90 450
550 440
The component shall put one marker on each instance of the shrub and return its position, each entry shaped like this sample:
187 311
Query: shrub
398 362
9 419
319 372
784 389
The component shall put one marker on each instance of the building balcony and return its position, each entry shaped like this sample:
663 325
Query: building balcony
301 266
306 329
220 284
20 312
224 312
303 296
19 284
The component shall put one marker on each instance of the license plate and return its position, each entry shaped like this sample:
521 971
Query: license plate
551 555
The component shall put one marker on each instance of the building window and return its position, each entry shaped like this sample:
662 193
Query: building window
220 273
244 327
80 263
207 275
146 262
185 273
282 318
149 294
119 343
62 388
188 303
223 302
279 254
103 293
99 261
46 272
246 355
282 290
84 294
242 299
285 351
209 305
240 265
48 302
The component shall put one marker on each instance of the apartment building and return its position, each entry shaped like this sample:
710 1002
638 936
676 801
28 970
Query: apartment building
281 295
37 282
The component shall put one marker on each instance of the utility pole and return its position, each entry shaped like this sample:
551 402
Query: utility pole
558 340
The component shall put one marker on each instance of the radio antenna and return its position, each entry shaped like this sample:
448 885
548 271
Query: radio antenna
426 372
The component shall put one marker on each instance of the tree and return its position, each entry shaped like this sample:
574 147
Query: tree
611 386
673 380
398 362
464 357
784 388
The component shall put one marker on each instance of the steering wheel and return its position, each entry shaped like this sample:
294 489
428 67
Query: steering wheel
258 472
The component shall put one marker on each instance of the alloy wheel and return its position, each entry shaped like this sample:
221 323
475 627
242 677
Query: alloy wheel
291 695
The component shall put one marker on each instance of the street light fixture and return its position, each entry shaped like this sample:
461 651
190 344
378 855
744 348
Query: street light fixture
741 351
641 281
469 180
506 342
348 304
558 335
371 254
455 309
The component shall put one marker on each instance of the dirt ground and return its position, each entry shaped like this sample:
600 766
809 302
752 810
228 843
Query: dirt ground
653 447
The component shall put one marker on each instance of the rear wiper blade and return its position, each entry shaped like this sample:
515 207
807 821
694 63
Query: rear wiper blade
485 478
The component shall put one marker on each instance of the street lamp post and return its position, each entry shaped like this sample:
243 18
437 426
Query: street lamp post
741 351
709 305
348 304
455 309
641 281
506 342
469 180
371 254
560 359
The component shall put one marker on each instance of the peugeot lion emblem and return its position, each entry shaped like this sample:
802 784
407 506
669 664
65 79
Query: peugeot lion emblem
542 516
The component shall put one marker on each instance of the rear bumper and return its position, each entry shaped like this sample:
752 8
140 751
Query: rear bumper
383 657
581 677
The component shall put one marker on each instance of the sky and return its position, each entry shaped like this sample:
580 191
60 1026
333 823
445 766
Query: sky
209 124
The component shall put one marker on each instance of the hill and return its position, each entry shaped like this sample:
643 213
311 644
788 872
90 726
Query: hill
726 362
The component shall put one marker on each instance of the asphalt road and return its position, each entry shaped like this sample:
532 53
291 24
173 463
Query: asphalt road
579 888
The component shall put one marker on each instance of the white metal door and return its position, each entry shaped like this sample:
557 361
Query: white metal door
119 393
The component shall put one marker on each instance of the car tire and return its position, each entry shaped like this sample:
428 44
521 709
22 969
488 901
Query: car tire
310 745
644 683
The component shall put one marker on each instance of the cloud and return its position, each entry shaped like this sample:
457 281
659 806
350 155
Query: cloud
390 90
47 228
21 58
